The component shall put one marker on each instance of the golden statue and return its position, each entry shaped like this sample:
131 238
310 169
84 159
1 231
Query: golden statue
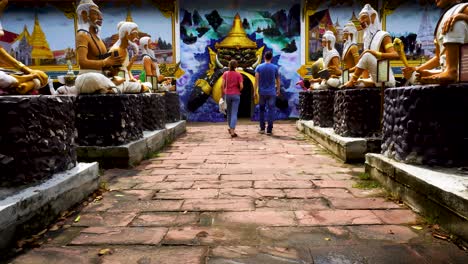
451 33
235 46
26 79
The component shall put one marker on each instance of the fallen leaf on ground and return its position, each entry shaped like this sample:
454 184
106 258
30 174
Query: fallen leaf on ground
119 195
42 232
328 239
440 236
77 219
417 227
54 228
105 251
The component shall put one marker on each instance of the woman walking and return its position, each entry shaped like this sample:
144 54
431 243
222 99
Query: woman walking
232 87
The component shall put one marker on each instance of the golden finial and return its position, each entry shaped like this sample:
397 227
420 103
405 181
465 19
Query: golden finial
129 16
237 38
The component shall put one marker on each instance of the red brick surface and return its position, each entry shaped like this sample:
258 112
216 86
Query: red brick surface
210 198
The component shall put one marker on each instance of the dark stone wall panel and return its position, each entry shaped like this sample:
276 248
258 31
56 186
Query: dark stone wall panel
323 101
306 105
357 112
154 111
172 107
427 124
37 137
109 120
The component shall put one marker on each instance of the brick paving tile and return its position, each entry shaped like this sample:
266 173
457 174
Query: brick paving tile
261 218
105 219
276 184
212 199
166 219
118 255
147 179
247 177
162 255
130 195
291 204
252 193
276 253
194 177
165 185
54 255
362 203
218 205
147 206
377 192
336 193
397 217
195 235
302 193
222 184
333 184
337 217
306 236
188 194
394 233
120 236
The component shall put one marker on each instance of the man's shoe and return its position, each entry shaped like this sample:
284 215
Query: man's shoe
269 133
261 131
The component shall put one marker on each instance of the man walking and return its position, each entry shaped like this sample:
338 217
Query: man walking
267 83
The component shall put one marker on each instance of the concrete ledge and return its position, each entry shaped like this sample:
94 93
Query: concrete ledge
133 153
439 194
347 149
35 207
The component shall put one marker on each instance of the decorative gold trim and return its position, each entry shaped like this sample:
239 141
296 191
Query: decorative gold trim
167 7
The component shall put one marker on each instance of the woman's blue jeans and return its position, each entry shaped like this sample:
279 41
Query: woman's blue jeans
232 101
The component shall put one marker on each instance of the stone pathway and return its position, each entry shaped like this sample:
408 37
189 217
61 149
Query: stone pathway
254 199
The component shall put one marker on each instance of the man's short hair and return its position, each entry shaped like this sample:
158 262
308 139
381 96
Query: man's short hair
268 55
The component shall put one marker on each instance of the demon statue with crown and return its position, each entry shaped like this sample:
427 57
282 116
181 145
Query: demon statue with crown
235 46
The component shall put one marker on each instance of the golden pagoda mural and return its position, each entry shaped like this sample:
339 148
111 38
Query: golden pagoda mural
40 46
44 33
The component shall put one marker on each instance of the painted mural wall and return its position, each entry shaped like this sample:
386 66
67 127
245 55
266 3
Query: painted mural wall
411 21
272 25
42 33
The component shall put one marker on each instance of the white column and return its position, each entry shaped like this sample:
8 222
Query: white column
177 31
303 33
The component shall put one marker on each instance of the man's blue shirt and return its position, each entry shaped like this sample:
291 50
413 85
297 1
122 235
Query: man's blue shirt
268 72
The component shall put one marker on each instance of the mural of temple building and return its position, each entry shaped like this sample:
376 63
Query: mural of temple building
7 40
40 46
426 35
318 24
23 48
338 31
